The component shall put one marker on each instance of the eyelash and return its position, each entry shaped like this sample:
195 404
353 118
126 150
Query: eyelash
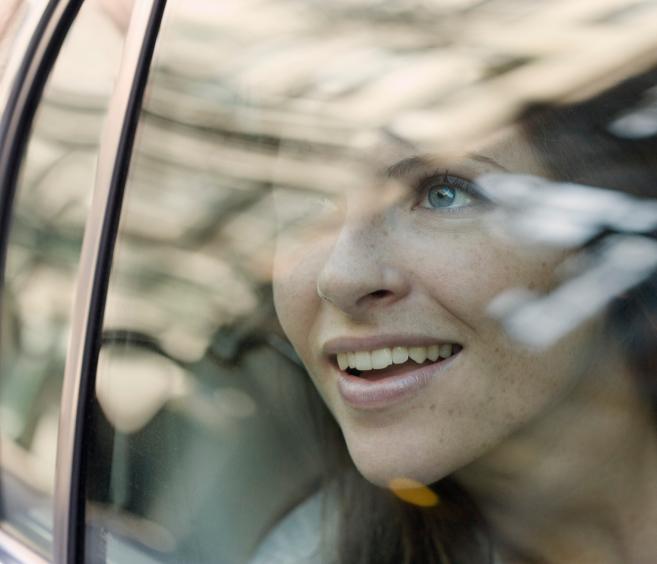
444 177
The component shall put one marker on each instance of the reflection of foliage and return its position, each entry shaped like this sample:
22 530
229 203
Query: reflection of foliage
240 101
49 243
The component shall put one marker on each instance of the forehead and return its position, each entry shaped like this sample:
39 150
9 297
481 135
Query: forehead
373 159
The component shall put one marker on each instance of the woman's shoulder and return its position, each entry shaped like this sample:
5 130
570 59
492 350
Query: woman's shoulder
303 536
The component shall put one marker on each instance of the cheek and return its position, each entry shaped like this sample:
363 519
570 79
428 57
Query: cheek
295 296
501 380
468 270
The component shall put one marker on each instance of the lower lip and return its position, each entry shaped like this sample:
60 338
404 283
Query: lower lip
362 393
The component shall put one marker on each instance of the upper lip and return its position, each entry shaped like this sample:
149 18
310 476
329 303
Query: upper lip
354 344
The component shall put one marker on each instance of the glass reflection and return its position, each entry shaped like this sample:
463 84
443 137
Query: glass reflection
392 170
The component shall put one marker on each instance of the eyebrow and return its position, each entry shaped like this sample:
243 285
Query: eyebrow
406 166
418 163
486 160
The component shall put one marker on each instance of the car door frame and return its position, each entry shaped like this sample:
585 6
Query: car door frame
99 239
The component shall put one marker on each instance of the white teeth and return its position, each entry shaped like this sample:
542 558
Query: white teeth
363 360
418 354
445 351
399 355
381 358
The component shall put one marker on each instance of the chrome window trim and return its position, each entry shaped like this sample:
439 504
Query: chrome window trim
17 549
22 102
93 278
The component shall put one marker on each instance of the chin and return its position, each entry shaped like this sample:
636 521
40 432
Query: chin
382 466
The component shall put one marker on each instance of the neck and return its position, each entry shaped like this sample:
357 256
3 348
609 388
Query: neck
580 485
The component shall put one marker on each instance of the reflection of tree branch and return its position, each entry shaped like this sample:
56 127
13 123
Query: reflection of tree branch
615 234
619 264
564 214
224 211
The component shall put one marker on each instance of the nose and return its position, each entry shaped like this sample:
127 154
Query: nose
362 271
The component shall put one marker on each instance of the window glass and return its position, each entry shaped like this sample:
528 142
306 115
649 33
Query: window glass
52 199
376 262
201 438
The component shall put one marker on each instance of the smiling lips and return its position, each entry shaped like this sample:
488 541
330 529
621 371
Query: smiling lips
379 359
373 376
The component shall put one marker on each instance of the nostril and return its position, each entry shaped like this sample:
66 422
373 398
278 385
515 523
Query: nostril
380 294
376 298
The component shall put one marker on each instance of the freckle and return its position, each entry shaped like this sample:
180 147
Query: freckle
450 412
432 407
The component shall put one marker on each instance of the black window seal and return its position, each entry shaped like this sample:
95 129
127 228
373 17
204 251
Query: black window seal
95 265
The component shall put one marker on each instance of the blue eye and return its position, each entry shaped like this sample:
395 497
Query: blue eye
442 196
448 193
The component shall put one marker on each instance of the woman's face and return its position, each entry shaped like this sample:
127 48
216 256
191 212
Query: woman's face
407 264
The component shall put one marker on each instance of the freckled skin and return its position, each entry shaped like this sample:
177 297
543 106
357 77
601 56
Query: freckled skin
402 270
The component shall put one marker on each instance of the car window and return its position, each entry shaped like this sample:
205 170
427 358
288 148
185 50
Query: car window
48 220
322 191
200 439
